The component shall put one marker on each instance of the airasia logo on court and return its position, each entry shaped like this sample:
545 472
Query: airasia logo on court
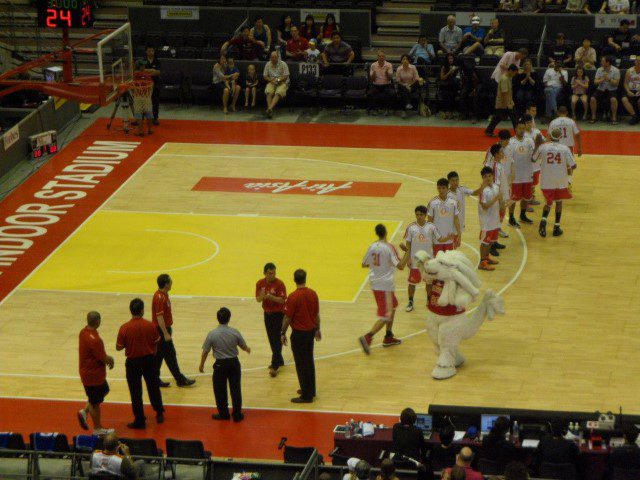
297 187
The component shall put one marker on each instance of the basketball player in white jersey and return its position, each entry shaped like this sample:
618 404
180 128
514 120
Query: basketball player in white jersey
536 135
503 140
382 260
519 157
570 132
631 99
489 205
420 235
556 162
443 212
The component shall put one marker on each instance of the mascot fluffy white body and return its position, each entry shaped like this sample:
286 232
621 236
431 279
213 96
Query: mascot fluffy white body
455 286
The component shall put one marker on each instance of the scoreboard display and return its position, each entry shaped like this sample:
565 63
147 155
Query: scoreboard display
65 14
43 144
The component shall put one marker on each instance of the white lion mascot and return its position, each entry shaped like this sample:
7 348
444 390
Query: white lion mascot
455 285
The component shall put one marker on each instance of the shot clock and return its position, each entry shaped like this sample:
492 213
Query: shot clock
65 14
43 144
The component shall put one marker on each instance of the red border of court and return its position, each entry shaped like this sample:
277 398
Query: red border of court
241 133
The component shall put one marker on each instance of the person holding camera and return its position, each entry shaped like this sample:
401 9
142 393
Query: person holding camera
114 459
555 79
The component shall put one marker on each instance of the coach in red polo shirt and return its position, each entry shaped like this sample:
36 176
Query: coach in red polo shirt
93 364
139 339
302 312
162 318
271 292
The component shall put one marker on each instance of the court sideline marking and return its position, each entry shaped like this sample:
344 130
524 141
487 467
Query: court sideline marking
513 279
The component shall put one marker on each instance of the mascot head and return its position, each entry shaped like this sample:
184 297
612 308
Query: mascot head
459 275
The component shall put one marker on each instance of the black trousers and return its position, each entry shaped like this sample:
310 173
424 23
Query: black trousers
167 352
408 96
227 371
137 369
500 115
302 348
155 100
381 96
273 325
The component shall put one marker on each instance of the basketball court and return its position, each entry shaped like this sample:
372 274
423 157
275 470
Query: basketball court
211 202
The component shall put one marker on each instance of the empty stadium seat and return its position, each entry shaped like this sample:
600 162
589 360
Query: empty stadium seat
187 452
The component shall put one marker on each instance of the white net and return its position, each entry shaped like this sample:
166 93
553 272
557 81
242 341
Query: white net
115 59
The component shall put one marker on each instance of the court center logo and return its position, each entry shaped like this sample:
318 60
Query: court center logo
297 186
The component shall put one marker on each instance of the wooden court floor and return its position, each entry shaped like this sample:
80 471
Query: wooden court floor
570 338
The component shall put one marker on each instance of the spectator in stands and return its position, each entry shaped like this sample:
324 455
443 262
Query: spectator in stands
516 471
284 31
606 80
408 82
422 53
579 89
408 440
463 460
296 46
449 85
450 37
472 37
552 5
631 99
593 6
626 457
309 30
232 80
525 86
221 87
329 27
387 470
621 42
555 79
358 469
262 33
114 460
444 455
337 54
530 6
575 6
381 90
313 54
469 86
251 86
495 446
585 55
615 6
560 51
556 449
248 47
508 6
508 59
494 40
276 74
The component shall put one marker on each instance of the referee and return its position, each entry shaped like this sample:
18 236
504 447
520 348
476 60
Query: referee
272 293
139 339
224 341
302 312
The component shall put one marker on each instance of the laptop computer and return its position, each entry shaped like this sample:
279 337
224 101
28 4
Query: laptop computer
486 423
425 423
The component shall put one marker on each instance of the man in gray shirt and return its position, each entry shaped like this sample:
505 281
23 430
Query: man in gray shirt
224 342
607 79
450 37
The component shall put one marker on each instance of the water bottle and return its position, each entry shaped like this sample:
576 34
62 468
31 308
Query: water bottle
516 432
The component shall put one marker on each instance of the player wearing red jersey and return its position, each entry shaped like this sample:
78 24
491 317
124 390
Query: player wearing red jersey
420 235
443 212
556 161
382 259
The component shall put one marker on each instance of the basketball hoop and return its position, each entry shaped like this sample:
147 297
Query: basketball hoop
140 87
